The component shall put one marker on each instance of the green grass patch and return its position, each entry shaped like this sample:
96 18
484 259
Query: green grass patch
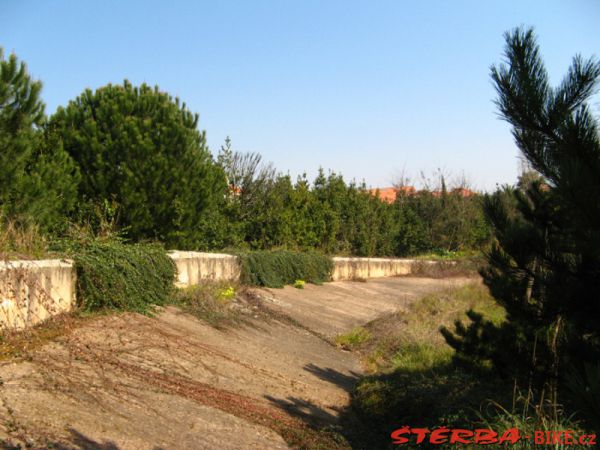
353 338
281 267
529 419
413 377
113 275
420 357
412 339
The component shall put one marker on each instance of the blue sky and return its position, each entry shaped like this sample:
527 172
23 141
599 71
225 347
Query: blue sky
369 89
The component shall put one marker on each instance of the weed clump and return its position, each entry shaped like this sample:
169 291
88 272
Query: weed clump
21 240
227 293
353 338
299 284
211 301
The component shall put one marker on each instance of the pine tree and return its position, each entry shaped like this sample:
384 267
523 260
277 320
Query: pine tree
544 267
38 180
21 112
141 149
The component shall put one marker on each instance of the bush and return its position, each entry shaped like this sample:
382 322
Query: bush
299 284
212 301
114 275
278 268
227 293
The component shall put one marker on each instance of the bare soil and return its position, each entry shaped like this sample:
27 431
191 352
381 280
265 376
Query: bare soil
172 381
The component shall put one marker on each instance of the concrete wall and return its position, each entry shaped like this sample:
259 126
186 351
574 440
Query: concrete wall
192 267
32 291
363 268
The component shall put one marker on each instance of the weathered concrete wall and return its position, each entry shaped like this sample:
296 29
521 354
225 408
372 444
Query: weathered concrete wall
32 291
363 268
192 267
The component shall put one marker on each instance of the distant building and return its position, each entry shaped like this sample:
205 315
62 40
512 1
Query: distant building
463 192
389 194
386 194
234 191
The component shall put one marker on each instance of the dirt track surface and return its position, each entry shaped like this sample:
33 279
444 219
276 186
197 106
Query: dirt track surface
337 307
171 381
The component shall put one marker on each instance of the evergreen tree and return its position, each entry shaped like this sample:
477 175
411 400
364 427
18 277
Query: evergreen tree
49 192
332 194
38 180
21 112
140 148
544 267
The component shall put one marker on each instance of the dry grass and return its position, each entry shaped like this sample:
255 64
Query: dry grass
19 344
219 303
444 268
21 240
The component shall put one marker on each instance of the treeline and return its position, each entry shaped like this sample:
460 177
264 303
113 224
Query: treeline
132 161
338 217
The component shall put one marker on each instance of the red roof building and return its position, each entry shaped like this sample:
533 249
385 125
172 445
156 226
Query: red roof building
389 194
463 192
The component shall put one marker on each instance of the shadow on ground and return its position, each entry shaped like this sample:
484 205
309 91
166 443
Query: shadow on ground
84 443
311 413
333 376
440 396
78 442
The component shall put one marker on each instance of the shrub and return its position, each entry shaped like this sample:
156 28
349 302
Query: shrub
299 284
278 268
227 293
210 301
114 275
